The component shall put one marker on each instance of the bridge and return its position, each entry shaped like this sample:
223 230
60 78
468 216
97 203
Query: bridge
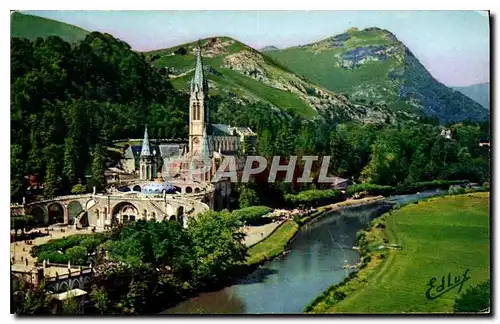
58 277
102 210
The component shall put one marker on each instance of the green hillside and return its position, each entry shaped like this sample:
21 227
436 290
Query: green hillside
31 27
372 65
239 71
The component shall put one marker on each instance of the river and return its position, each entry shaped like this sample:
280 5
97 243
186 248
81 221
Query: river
315 262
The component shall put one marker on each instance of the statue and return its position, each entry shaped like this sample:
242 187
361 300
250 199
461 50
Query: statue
93 191
24 200
44 264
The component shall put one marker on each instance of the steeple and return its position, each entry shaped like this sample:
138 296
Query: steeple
205 147
198 83
145 144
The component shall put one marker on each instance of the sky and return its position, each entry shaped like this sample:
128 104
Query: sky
452 45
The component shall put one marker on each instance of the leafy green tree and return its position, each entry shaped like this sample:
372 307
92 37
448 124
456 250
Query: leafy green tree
475 299
70 306
100 299
69 168
217 244
248 197
51 182
78 189
98 178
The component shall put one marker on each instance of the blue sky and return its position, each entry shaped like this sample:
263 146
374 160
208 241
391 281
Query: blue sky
453 45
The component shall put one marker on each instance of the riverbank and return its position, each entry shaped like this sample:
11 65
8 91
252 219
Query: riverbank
434 238
275 244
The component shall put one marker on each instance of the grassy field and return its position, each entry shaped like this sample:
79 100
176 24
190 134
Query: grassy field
438 237
273 245
31 27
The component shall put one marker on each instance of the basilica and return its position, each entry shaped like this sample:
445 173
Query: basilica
171 160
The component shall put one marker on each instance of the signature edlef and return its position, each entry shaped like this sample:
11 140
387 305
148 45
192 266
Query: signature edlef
434 291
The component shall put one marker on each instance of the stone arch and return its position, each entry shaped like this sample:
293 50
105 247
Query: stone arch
38 214
63 286
197 190
136 188
86 283
123 210
189 189
170 209
90 204
75 283
74 210
56 213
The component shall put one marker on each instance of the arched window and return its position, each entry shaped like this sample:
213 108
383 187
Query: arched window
105 213
97 213
153 216
193 111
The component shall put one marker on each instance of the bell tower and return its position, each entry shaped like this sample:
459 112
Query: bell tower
198 107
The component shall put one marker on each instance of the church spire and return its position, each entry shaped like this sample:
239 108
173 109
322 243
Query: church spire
198 83
145 144
205 147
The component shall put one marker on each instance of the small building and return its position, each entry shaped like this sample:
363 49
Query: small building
340 183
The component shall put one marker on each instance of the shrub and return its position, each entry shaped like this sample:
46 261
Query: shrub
314 197
475 299
78 189
253 215
371 189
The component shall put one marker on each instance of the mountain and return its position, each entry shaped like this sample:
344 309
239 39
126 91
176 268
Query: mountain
372 65
31 27
269 48
239 71
480 93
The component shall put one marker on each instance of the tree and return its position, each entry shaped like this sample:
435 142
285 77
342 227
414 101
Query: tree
70 306
98 178
23 223
69 168
100 299
78 189
265 144
475 299
248 197
217 245
51 181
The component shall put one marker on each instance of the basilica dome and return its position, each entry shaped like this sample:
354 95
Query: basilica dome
158 187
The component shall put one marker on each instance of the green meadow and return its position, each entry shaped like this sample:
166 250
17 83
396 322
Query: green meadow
440 236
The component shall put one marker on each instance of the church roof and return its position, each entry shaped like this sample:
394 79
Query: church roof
219 130
146 151
170 150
